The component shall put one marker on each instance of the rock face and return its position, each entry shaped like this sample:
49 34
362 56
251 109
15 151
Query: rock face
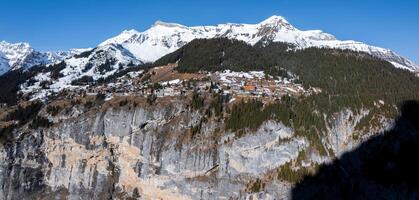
149 152
341 130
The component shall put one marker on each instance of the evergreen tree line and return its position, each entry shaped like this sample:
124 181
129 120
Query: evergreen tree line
348 79
11 81
22 114
337 72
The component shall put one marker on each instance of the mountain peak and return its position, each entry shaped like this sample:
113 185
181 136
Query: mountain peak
22 55
277 22
130 32
20 45
163 38
274 18
121 38
166 24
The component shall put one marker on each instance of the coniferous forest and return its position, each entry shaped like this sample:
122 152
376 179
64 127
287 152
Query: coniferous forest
348 80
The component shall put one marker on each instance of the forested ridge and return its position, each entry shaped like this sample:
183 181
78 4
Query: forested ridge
337 72
355 76
348 79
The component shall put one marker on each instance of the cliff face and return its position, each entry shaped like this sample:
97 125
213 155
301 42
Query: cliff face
151 152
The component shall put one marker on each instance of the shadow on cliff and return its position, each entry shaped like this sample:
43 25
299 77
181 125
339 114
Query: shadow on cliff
383 167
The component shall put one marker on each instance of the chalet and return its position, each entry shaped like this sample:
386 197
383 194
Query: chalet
249 88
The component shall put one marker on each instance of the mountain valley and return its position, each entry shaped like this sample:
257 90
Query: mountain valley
232 111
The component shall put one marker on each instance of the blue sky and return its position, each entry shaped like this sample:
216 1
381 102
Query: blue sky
64 24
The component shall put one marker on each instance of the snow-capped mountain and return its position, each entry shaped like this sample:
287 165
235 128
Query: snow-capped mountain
99 62
22 55
132 48
163 38
96 63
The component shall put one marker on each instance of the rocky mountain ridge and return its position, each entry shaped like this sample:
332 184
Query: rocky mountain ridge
22 55
163 38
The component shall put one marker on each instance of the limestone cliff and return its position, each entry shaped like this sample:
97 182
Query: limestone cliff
151 152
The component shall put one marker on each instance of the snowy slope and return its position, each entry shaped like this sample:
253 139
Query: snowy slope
22 55
99 62
96 63
163 38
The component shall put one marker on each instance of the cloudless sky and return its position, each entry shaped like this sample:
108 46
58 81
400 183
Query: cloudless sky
65 24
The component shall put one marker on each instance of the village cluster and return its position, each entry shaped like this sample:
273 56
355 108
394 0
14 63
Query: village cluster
253 83
165 81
